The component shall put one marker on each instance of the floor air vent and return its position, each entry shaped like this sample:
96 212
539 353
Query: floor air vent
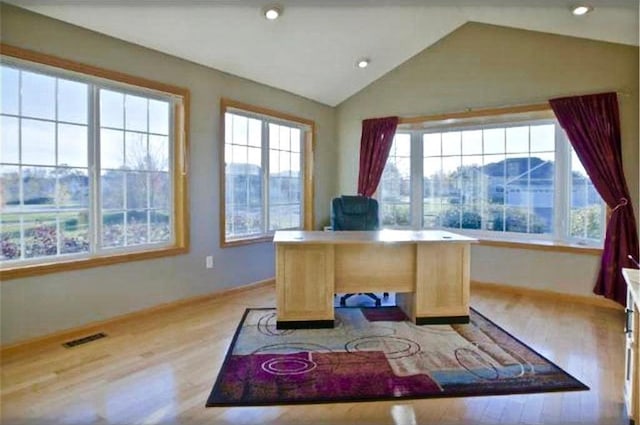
84 340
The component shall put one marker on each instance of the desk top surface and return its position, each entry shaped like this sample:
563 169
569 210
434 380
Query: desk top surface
378 236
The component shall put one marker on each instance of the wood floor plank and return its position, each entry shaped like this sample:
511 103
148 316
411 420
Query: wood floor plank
159 369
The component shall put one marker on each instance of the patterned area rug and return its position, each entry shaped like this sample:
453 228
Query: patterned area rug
376 354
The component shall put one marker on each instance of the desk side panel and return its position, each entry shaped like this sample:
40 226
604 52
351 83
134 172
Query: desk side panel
304 282
442 281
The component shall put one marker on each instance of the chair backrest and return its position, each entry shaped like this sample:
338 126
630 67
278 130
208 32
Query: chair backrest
354 213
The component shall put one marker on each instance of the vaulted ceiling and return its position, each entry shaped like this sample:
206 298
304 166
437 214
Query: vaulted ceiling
311 50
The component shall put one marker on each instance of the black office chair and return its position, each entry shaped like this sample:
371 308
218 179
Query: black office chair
355 213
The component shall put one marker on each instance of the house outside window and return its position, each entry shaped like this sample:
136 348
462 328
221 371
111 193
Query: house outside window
514 178
89 169
265 173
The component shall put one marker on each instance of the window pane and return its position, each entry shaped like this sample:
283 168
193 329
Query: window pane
431 144
158 117
112 184
451 143
112 229
10 236
10 90
137 227
472 142
40 235
72 101
285 142
518 139
38 142
158 159
586 219
295 140
239 130
111 109
493 140
10 188
295 164
136 151
285 163
73 188
451 192
160 230
451 216
72 145
541 192
543 138
74 232
284 216
395 186
255 133
494 175
136 190
111 149
274 161
255 158
471 180
39 186
274 136
159 190
135 108
239 156
432 195
9 142
38 95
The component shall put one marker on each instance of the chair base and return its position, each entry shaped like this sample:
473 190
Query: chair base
374 297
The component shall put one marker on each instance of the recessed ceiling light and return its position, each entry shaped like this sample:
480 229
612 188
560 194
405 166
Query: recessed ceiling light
363 63
272 12
581 10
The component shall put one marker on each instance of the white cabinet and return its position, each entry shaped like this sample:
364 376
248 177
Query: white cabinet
632 325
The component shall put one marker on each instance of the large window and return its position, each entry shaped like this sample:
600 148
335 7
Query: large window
87 168
264 172
515 178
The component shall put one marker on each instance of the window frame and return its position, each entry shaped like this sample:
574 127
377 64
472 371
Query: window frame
178 169
499 117
307 129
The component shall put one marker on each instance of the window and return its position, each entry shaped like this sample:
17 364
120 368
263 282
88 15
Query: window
511 177
88 169
265 176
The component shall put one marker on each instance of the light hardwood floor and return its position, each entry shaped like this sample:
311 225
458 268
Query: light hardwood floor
159 369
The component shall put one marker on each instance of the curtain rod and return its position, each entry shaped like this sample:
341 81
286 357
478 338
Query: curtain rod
469 112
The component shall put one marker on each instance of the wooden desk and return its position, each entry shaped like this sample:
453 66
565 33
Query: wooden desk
632 353
429 270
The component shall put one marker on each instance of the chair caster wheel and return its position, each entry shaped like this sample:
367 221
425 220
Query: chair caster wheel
385 295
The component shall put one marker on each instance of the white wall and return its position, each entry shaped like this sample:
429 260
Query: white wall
44 304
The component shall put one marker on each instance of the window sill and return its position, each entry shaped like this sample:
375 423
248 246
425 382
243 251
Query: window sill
86 263
542 245
246 241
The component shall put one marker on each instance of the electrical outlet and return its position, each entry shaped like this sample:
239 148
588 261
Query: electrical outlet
209 261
